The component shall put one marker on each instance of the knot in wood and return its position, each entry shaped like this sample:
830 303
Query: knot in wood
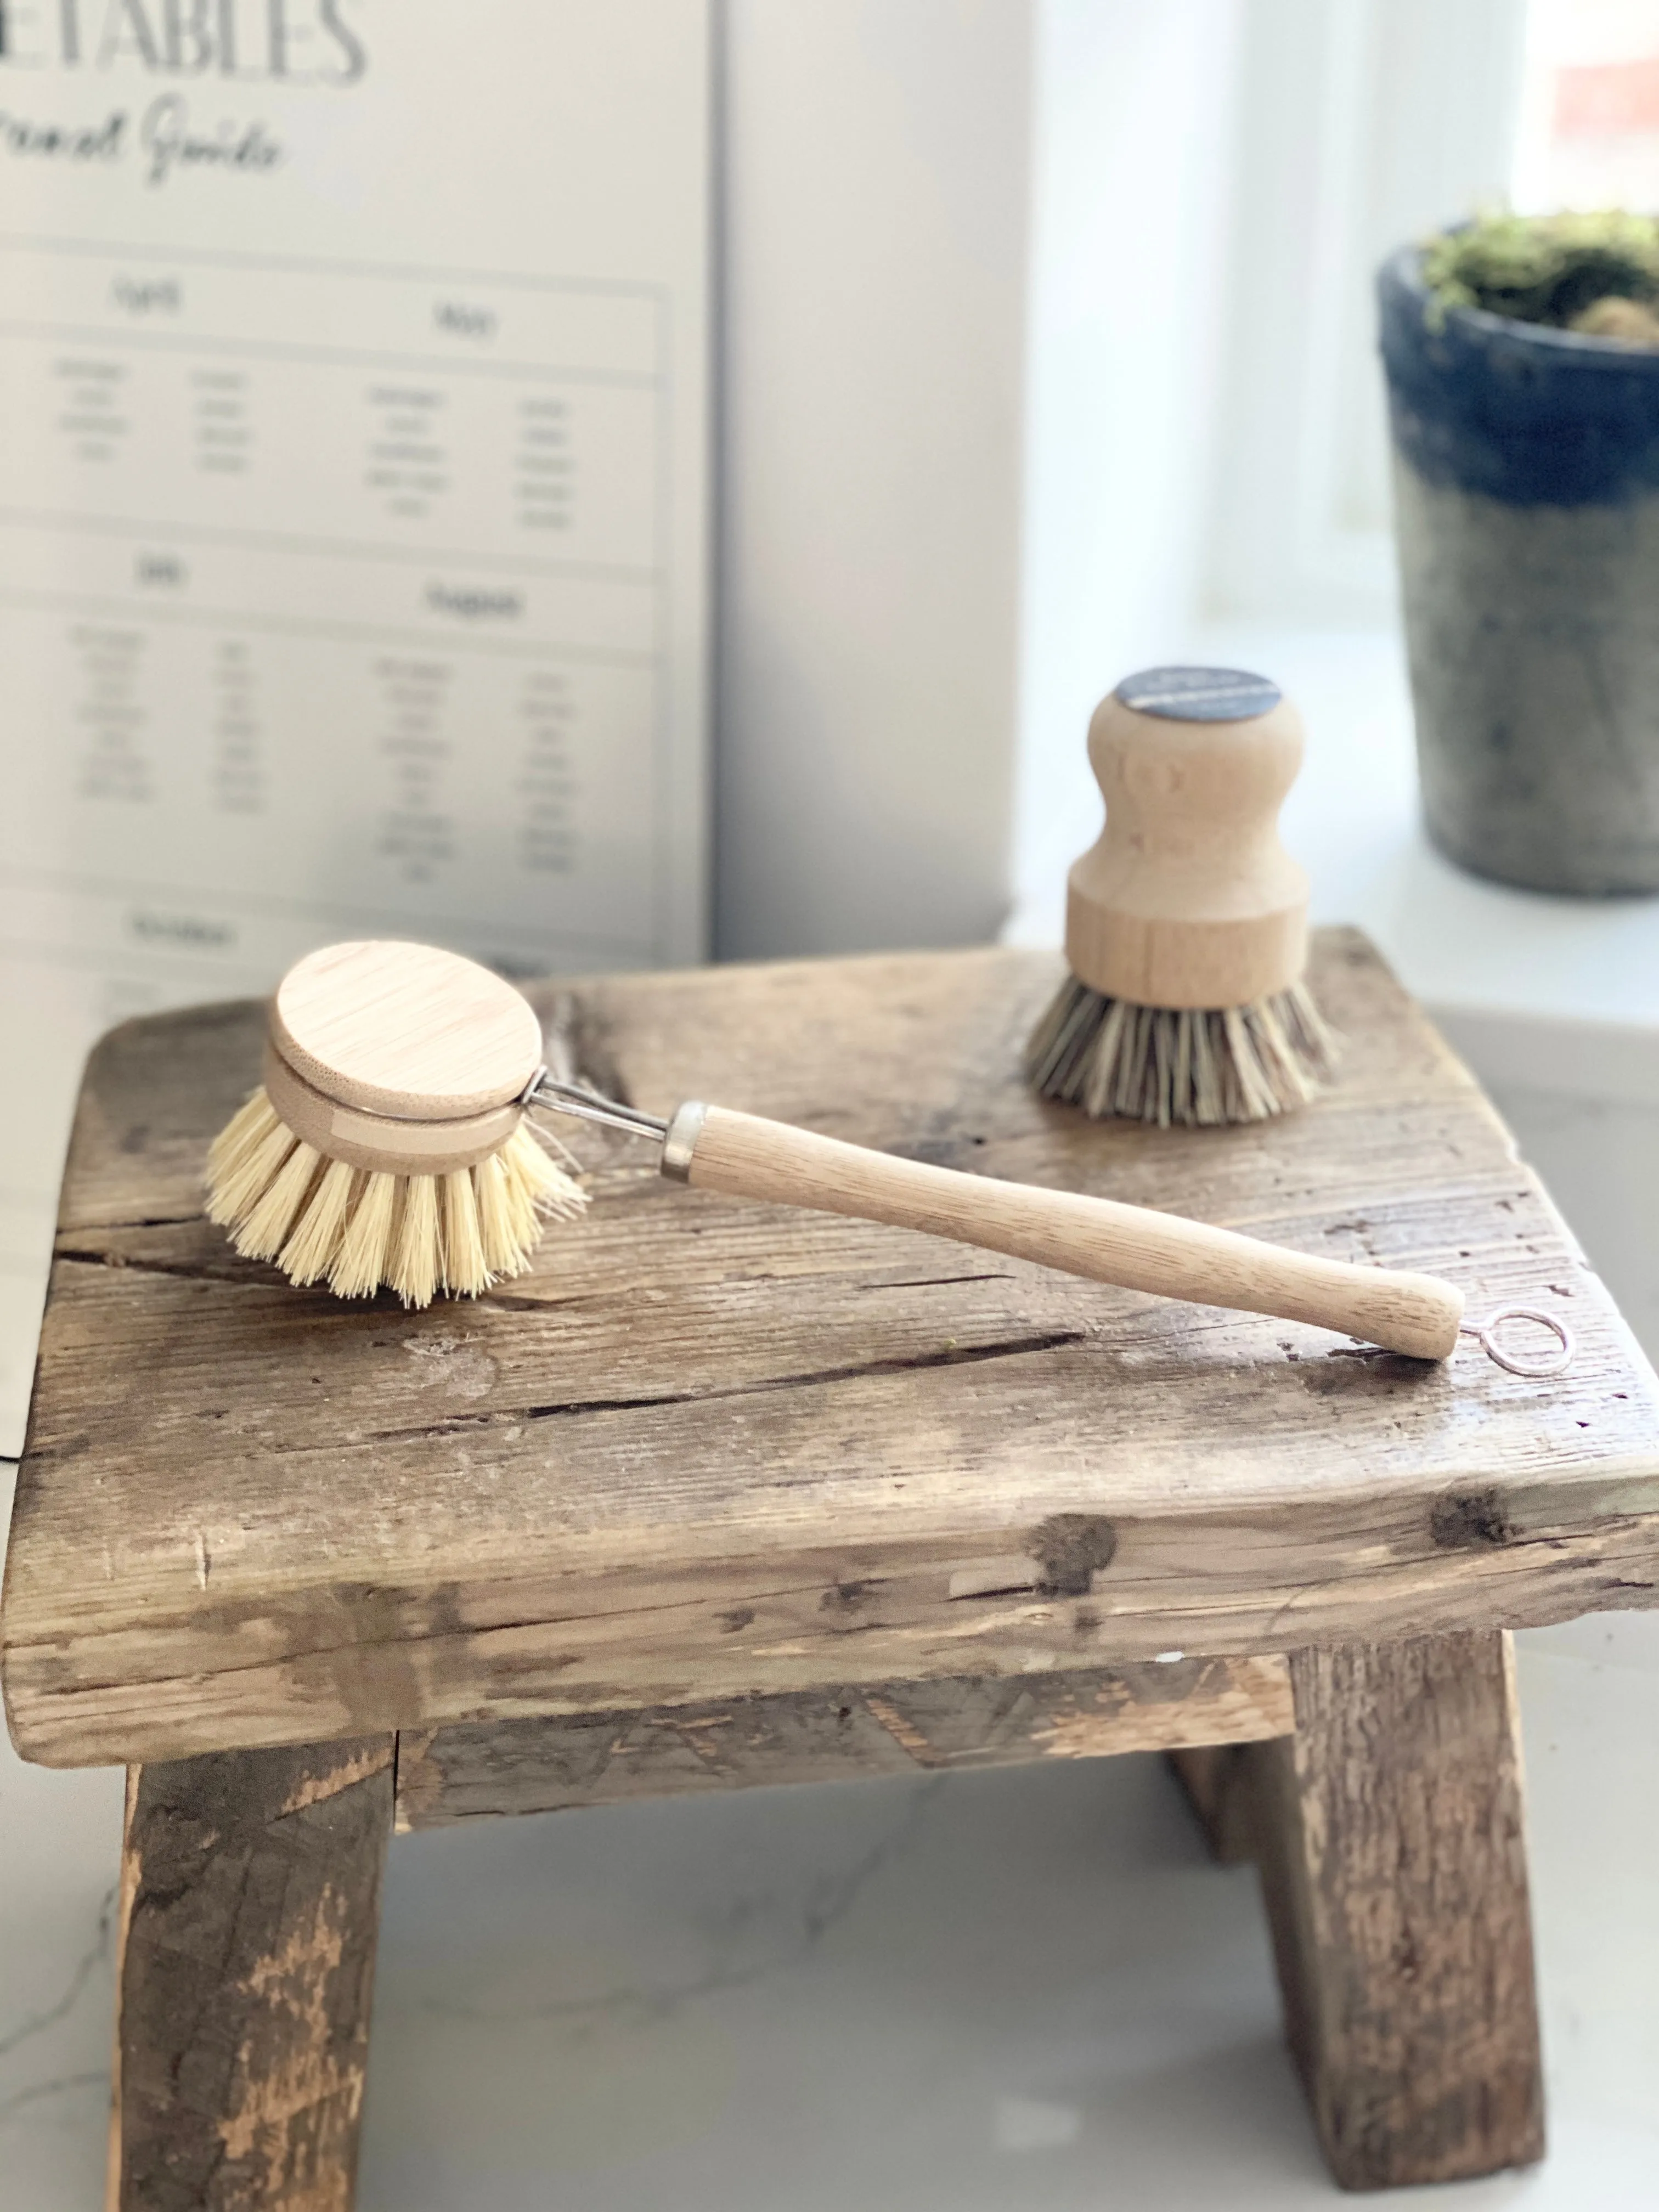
1068 1549
1470 1520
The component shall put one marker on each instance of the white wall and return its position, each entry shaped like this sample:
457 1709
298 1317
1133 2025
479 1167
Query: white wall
974 269
1363 124
1134 151
876 190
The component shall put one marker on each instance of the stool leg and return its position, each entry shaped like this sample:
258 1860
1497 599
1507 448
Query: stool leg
250 1907
1217 1780
1389 1833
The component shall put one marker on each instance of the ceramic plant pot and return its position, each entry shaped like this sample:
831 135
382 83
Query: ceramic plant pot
1527 508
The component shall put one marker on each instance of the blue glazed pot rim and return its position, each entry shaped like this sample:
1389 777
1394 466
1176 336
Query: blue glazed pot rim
1404 269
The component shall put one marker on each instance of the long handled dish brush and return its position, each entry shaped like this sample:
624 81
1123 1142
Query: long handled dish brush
1187 923
390 1143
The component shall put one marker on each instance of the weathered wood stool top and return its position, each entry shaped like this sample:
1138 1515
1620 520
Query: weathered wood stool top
708 1448
722 1494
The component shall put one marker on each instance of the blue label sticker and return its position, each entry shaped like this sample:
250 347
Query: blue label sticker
1199 695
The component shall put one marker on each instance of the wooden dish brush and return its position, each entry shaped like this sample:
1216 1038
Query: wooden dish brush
1187 922
390 1143
387 1142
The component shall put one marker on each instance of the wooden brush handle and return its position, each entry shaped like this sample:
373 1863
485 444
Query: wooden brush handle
1129 1245
1188 899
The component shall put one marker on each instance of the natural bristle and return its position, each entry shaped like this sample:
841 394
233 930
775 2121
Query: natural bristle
264 1229
321 1220
309 1252
245 1160
1178 1066
417 1258
363 1260
465 1272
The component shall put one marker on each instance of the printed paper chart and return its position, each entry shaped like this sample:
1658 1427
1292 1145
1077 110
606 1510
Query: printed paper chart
352 543
364 619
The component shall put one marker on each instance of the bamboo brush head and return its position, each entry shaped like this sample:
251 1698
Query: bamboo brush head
1187 921
387 1142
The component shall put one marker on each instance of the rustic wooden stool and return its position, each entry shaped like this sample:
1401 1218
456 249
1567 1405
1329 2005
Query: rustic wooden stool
723 1496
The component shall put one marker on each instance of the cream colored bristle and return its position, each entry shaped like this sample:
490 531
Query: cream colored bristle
518 1189
320 1219
265 1229
240 1177
241 1136
314 1241
360 1266
549 1189
503 1253
463 1269
417 1266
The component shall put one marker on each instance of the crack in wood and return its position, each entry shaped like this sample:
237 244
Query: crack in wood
135 1221
937 1282
227 1277
569 1409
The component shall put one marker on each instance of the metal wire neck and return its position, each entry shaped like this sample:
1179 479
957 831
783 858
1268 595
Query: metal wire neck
575 1098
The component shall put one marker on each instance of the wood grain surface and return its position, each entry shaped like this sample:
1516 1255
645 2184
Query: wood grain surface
249 1909
709 1448
492 1767
1389 1834
404 1029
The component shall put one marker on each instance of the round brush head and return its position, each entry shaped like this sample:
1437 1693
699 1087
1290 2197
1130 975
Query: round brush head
387 1142
1187 921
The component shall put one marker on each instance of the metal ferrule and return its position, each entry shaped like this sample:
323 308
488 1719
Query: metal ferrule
681 1141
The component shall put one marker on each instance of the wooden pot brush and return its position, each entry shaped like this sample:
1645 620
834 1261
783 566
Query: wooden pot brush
1187 923
390 1143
